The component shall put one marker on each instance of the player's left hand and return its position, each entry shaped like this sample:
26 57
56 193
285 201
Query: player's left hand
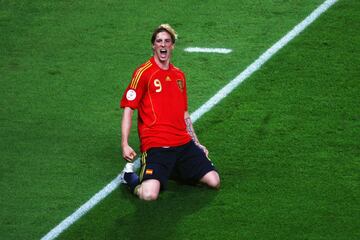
202 147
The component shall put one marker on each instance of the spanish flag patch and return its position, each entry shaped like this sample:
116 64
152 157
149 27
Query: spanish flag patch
149 172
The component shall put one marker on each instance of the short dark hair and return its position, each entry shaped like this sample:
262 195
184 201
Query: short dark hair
164 28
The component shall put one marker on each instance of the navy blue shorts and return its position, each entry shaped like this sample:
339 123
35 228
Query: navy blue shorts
186 163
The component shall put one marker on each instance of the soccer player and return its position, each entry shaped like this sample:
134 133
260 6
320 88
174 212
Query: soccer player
169 145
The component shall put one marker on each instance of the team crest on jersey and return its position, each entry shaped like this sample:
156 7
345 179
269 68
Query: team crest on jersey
180 84
130 95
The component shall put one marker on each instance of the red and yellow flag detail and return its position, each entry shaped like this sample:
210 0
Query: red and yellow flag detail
149 172
135 80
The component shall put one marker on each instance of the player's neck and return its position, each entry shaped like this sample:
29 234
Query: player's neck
164 65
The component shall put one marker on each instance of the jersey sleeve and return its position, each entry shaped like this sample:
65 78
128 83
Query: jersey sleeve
136 89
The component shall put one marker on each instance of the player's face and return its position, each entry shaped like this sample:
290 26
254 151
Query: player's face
163 47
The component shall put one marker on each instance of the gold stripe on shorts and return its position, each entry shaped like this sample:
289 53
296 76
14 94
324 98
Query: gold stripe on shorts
143 166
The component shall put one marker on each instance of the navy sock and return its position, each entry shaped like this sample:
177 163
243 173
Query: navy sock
132 180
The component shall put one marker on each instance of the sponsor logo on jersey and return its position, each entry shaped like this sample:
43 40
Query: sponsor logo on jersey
149 171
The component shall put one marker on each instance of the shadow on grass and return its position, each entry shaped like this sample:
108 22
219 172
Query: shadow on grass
159 219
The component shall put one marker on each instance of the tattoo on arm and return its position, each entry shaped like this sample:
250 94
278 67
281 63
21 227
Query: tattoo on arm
190 129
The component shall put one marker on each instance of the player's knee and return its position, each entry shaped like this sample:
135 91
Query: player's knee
214 183
149 196
149 190
212 180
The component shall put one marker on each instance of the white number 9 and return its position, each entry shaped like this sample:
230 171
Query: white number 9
158 86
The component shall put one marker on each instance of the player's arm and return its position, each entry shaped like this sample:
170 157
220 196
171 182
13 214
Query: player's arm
128 153
191 131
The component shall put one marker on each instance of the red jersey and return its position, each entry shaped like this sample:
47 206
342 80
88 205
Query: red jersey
161 99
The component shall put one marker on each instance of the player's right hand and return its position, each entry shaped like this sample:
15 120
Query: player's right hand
128 153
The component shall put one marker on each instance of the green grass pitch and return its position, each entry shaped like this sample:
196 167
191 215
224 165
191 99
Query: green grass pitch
286 142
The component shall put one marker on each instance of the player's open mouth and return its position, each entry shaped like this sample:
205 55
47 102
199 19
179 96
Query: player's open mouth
163 52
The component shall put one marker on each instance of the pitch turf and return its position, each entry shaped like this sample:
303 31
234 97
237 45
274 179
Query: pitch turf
285 142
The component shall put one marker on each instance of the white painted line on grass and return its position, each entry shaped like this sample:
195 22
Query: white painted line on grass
208 50
83 209
199 112
261 60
